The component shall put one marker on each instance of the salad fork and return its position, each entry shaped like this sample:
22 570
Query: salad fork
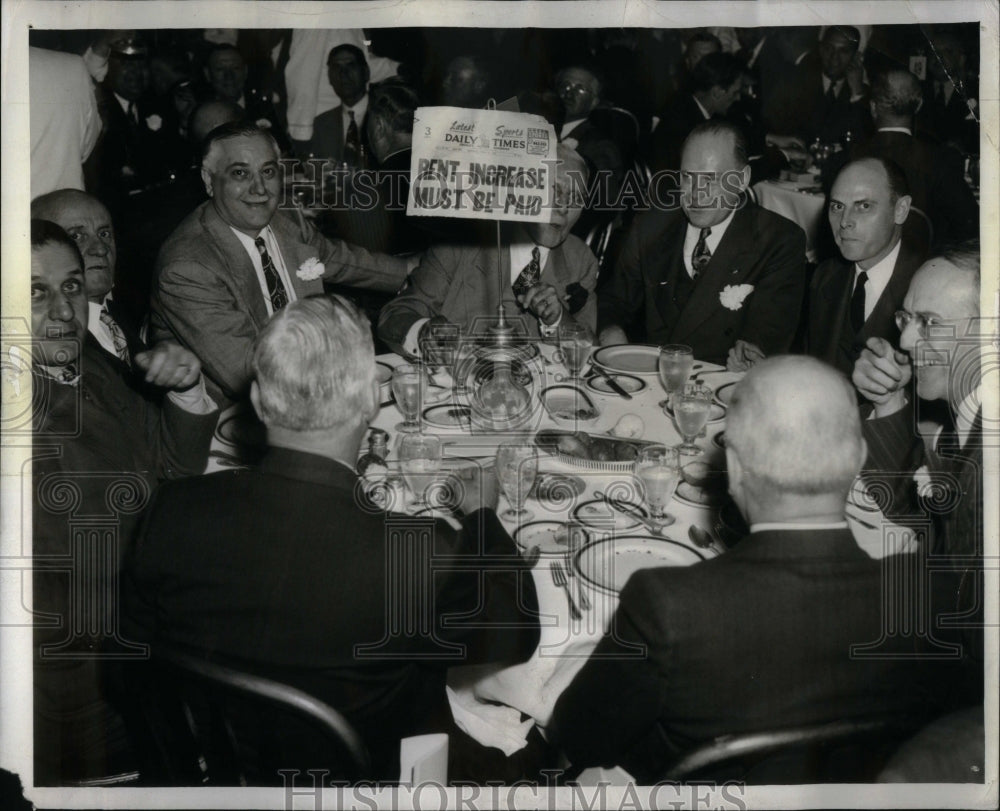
559 578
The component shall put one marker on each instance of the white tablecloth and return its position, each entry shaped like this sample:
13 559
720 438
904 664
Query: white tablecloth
806 209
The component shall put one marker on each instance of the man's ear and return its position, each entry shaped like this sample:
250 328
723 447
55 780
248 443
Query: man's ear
255 400
373 409
744 179
902 209
206 178
734 470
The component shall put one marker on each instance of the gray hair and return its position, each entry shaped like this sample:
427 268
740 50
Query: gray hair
314 364
232 129
793 424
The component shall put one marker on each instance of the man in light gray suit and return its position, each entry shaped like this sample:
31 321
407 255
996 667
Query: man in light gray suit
236 260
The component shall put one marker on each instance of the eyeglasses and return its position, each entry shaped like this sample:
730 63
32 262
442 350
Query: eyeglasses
922 321
566 88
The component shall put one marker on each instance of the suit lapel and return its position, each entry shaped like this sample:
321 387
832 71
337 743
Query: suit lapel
671 248
724 268
237 262
835 296
294 252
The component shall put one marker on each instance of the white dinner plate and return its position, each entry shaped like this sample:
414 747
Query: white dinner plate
695 496
725 393
607 564
448 416
599 514
629 359
383 373
551 537
630 383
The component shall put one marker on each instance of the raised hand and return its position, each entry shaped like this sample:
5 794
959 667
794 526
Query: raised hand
881 374
170 366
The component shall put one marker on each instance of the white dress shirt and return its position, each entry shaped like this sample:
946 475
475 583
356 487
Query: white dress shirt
878 278
692 234
98 328
276 258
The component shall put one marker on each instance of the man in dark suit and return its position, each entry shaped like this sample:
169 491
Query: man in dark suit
811 644
235 260
824 95
339 134
281 568
547 272
855 296
104 434
226 72
717 274
942 348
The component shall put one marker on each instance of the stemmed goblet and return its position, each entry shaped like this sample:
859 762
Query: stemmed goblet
674 365
420 461
517 467
657 468
409 382
575 342
692 407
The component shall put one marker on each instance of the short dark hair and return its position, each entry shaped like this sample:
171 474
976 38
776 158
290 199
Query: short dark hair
897 92
715 126
394 101
848 32
46 232
895 176
346 47
703 36
234 129
222 47
716 70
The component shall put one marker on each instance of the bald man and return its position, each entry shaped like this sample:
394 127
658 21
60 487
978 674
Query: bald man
89 224
760 637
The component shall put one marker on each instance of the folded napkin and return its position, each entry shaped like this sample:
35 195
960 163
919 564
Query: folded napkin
490 724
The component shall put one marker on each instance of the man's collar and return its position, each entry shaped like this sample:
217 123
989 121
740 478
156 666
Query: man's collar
701 107
885 264
122 102
907 130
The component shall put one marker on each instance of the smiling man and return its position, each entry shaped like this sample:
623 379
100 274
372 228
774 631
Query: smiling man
855 297
236 260
718 272
941 351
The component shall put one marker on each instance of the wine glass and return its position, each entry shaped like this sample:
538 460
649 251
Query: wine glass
516 466
575 343
674 365
409 382
420 461
657 468
692 406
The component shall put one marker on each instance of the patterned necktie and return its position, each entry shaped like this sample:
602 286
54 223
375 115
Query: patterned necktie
117 336
701 255
858 302
530 275
275 288
352 142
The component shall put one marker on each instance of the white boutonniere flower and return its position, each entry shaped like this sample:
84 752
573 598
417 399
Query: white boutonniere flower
154 122
311 269
733 295
925 485
264 123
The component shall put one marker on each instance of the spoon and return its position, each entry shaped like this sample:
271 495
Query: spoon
700 537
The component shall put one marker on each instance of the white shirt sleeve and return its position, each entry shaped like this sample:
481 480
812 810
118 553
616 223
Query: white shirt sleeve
411 343
195 400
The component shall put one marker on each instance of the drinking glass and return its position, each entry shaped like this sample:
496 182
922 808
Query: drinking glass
575 343
516 466
409 383
674 365
420 461
658 470
692 406
440 347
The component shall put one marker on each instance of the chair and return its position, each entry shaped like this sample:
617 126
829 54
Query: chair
597 240
851 751
197 722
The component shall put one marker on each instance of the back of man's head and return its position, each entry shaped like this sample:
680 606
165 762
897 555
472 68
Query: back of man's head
314 366
716 70
896 97
793 425
394 101
211 114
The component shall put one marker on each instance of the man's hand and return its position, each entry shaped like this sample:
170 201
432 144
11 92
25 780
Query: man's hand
743 356
612 335
478 488
170 366
438 341
881 374
543 301
855 76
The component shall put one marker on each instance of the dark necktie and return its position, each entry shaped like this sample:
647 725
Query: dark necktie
117 336
831 94
352 142
530 275
858 302
275 288
133 115
701 255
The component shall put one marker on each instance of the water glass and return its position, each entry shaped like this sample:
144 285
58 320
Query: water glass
575 343
517 467
674 365
692 406
420 461
409 382
658 471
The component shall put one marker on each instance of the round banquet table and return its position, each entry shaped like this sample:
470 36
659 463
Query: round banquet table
795 202
488 701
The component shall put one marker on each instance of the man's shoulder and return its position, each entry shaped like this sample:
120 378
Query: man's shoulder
772 225
191 236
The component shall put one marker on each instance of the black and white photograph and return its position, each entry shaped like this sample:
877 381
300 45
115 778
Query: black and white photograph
439 404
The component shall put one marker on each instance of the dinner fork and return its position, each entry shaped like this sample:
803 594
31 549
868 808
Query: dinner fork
580 592
559 578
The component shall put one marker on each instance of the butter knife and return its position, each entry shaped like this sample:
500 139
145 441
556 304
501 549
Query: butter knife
612 383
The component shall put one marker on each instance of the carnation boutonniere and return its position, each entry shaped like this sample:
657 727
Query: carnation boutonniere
311 269
154 122
924 482
733 295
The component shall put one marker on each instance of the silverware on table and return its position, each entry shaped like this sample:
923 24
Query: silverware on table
580 590
612 383
624 509
559 578
701 537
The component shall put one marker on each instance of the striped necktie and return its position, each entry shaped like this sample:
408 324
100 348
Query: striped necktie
117 336
701 255
275 288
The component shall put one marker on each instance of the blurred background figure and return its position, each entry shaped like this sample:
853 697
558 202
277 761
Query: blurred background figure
466 82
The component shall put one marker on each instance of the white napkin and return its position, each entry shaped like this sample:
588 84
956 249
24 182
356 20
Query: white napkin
490 724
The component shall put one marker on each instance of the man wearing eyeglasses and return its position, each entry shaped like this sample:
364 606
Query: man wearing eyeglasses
853 297
940 349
